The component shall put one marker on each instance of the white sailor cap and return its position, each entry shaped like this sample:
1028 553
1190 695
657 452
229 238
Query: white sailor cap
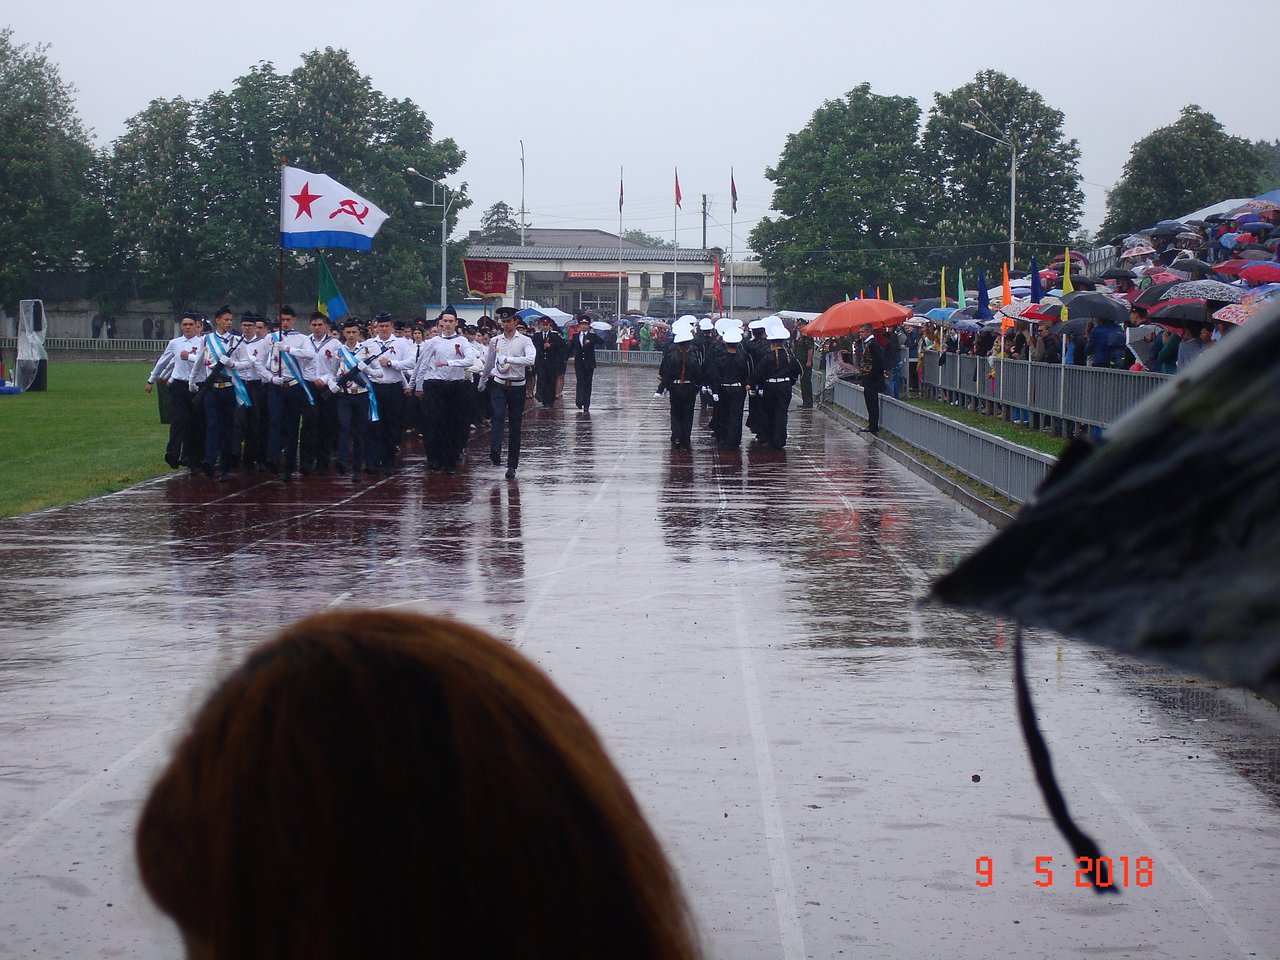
777 330
682 334
688 318
732 336
682 324
726 324
756 325
706 324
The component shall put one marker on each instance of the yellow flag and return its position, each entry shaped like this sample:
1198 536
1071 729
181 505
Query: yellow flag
942 288
1066 274
1006 294
891 291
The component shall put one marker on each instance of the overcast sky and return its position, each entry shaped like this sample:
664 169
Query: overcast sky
660 84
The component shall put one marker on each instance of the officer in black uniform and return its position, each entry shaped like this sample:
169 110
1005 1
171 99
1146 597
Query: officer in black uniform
871 372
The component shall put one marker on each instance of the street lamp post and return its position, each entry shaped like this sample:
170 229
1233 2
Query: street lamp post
444 206
1013 173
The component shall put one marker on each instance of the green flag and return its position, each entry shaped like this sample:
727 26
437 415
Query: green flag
329 301
960 304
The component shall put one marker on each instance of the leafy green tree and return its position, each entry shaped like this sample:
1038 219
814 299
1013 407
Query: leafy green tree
498 225
45 171
158 211
1269 159
969 175
1191 163
645 239
849 194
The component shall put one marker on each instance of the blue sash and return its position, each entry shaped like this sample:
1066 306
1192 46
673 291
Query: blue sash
219 350
349 359
294 370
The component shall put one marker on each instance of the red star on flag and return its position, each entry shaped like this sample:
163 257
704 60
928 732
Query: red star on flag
304 200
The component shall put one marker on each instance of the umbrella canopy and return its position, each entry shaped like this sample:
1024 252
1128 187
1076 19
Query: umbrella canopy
940 313
1152 295
1192 265
1204 290
600 325
1180 312
1142 250
1262 273
1253 253
922 307
1232 267
1119 273
1097 305
849 315
1217 606
1016 308
1254 206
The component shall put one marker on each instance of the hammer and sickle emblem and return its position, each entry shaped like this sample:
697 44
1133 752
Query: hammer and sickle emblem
349 207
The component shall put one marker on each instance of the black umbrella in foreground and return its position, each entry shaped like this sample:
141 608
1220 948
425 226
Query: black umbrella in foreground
1197 586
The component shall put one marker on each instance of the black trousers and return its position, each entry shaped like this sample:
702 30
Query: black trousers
727 419
319 430
391 423
545 389
446 419
356 434
251 427
806 386
284 414
683 398
508 410
871 390
184 437
219 405
583 374
777 401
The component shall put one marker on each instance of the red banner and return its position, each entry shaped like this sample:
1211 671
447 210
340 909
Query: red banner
486 278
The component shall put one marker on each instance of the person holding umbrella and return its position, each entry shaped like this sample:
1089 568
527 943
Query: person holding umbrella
871 372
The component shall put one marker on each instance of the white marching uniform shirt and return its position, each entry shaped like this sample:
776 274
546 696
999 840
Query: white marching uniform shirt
171 365
373 351
457 353
508 360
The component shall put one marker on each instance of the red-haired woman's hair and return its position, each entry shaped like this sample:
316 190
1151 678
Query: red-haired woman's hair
389 785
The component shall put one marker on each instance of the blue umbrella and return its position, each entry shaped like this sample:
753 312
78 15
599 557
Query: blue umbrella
528 313
940 313
970 325
1037 291
984 298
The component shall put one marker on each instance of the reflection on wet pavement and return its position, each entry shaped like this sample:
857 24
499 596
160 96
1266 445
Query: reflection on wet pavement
824 760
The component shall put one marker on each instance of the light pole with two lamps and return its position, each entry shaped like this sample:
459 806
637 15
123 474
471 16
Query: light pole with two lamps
444 206
1013 171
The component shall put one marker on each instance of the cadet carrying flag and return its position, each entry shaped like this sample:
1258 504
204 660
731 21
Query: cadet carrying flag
318 211
329 301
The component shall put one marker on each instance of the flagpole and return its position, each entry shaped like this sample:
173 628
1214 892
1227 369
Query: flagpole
733 209
620 194
675 248
284 162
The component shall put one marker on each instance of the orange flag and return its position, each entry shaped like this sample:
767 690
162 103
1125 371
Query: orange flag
1006 296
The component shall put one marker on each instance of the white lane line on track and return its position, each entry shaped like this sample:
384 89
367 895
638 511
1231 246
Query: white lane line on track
790 929
1168 860
34 828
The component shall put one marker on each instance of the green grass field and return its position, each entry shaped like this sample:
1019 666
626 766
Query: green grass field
94 431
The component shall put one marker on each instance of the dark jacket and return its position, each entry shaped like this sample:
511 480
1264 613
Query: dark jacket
681 363
871 364
584 354
776 361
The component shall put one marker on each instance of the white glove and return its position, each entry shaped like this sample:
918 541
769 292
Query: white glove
277 381
715 397
333 387
657 395
482 384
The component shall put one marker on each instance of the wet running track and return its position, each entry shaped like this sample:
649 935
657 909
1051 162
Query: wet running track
824 762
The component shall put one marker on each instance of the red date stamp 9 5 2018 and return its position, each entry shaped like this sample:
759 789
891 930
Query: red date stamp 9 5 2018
1088 872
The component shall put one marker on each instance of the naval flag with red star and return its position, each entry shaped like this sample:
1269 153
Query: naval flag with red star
318 211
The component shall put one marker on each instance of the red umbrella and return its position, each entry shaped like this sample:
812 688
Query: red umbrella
1261 273
849 315
1232 267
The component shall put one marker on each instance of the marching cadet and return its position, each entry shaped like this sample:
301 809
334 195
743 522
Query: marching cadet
213 383
773 379
582 347
680 376
756 347
173 370
387 360
287 393
730 378
510 356
357 433
443 377
250 443
319 420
